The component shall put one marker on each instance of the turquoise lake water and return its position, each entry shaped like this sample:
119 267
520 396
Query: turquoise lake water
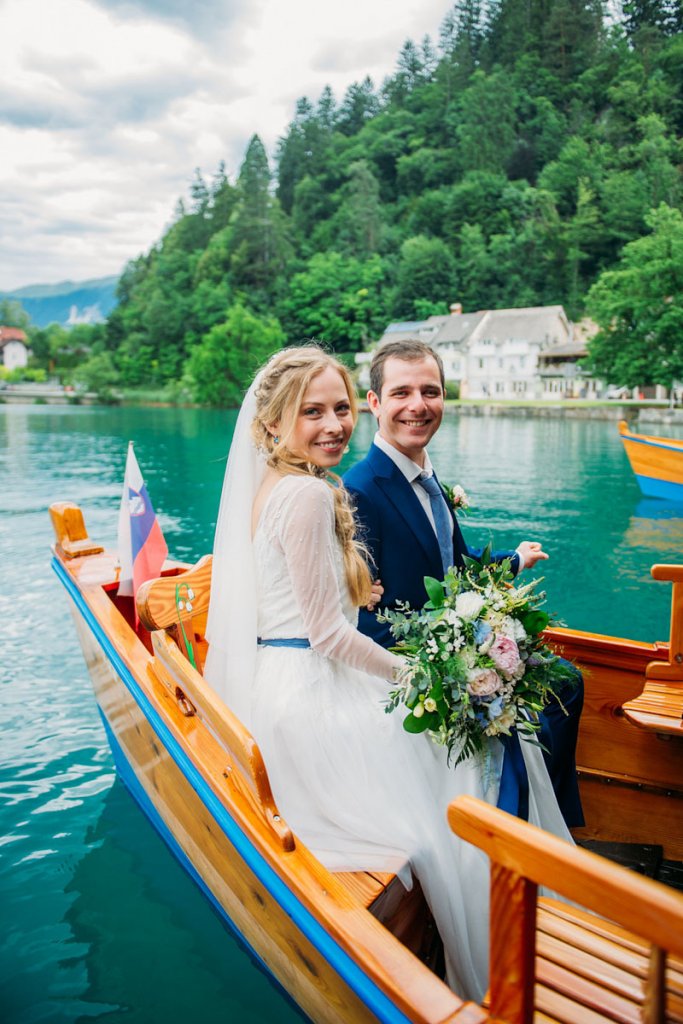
97 920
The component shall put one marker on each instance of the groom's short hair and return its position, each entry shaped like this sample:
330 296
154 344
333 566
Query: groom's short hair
411 350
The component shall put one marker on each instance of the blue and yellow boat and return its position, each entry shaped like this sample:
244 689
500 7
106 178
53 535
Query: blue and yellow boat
657 463
358 947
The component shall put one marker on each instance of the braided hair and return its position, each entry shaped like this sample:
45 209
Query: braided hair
283 384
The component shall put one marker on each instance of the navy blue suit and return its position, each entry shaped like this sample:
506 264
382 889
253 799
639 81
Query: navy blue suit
404 548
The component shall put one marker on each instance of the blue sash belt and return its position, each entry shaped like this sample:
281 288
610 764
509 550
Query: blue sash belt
513 795
286 641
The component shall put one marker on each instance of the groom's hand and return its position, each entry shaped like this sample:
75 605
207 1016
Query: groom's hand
529 553
377 591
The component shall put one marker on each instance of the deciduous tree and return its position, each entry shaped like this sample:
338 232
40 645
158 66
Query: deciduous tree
639 308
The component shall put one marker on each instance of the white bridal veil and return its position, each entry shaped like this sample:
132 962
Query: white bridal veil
231 626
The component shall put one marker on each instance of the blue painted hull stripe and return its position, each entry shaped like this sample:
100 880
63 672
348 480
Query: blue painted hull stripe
655 487
654 444
363 986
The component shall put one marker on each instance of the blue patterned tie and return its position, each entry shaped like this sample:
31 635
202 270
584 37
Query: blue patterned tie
442 519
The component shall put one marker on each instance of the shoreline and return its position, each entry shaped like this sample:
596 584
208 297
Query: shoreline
633 411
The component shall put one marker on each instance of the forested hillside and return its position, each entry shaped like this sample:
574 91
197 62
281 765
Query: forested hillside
505 163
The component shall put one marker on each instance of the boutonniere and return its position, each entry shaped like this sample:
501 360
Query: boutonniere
456 498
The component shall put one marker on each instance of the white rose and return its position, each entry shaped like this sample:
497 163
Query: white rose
468 605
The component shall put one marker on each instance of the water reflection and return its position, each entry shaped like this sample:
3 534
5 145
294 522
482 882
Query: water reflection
657 525
173 962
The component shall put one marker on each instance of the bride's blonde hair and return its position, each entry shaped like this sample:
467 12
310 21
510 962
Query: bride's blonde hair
283 383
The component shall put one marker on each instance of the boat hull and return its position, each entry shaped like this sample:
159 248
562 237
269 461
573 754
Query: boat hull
189 803
657 463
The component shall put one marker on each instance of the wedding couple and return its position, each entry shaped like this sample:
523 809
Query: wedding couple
291 571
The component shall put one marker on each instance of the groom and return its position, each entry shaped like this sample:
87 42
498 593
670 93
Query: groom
411 531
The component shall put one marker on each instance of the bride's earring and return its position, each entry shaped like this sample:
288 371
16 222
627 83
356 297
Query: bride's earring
276 439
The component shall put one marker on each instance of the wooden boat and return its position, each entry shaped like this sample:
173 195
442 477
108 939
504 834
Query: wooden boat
657 463
357 947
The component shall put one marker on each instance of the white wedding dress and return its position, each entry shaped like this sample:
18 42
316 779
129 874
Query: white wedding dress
354 787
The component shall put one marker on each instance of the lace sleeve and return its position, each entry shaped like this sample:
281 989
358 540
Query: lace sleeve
307 536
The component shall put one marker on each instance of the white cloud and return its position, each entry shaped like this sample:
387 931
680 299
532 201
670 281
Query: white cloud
107 107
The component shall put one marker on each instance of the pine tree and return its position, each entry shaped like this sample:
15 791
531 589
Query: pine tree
259 243
359 105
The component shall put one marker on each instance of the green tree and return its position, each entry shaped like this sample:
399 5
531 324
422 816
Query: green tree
639 308
360 103
99 375
259 243
486 122
661 179
302 151
13 314
426 271
221 367
359 218
223 197
337 299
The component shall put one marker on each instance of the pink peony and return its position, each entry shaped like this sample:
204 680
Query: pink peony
483 682
504 653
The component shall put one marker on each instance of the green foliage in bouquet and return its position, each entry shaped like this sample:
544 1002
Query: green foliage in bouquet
477 665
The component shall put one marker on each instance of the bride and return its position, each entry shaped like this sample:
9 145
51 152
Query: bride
288 578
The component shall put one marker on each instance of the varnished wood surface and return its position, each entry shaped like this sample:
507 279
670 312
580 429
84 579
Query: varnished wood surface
631 780
70 533
179 603
580 967
293 959
646 774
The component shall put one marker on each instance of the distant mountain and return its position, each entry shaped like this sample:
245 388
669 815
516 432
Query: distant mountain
67 303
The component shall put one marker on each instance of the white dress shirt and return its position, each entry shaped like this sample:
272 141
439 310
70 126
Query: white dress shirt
412 472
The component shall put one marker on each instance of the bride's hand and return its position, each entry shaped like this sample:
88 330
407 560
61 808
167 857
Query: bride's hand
376 596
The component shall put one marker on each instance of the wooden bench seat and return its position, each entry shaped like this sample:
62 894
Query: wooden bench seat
659 707
581 957
557 963
405 914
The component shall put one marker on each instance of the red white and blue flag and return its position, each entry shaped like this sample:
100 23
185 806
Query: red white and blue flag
142 548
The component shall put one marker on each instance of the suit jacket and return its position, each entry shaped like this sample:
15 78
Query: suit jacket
400 537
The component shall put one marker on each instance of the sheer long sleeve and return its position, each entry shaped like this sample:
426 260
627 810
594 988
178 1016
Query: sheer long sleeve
306 533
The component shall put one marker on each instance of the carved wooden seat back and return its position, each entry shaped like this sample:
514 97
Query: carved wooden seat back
179 605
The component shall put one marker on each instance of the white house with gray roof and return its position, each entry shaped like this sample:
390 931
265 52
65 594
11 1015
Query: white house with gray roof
502 353
504 348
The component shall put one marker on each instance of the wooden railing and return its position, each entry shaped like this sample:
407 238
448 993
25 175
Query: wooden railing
578 977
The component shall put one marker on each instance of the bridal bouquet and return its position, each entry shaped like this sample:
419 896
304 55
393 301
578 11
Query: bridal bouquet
477 664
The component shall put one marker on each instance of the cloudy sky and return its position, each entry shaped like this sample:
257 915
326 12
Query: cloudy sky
107 106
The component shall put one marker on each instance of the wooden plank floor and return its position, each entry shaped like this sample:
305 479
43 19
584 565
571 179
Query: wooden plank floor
589 970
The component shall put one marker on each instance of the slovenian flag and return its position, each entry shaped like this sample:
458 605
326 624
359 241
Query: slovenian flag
142 548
